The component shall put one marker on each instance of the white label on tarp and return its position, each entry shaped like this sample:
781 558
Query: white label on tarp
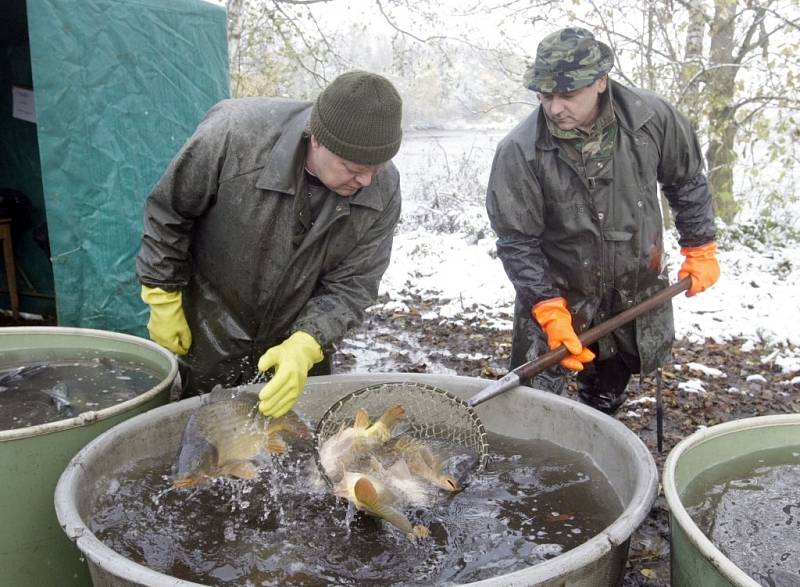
23 108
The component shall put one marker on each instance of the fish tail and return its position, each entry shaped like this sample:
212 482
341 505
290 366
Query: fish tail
391 416
367 498
361 419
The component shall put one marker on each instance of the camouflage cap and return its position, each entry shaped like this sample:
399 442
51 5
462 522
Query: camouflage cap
567 60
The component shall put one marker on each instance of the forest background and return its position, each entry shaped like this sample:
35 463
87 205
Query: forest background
732 66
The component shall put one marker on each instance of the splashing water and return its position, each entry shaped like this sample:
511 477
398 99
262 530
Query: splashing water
535 501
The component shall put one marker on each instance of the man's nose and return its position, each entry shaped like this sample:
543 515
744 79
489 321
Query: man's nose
556 105
365 178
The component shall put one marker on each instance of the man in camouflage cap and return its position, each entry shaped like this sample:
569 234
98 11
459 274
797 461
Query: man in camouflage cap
567 60
573 199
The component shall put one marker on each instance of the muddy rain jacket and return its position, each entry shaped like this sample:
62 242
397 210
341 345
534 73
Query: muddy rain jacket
596 238
220 226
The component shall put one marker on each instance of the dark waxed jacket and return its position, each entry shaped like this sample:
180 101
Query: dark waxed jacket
219 226
597 239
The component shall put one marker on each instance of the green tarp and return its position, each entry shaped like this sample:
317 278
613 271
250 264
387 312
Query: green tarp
119 86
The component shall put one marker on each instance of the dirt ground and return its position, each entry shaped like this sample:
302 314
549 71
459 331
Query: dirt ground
474 350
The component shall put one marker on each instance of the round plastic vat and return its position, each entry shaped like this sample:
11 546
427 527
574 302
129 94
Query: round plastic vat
522 412
33 548
694 558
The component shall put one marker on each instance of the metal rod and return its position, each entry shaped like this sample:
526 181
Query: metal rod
659 413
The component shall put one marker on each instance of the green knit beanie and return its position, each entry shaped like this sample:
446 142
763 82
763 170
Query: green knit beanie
357 117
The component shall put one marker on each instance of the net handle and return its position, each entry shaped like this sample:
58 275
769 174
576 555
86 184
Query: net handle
551 358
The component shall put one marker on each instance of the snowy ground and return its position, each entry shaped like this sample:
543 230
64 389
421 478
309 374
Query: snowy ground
757 298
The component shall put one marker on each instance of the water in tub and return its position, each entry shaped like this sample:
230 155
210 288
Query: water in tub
41 389
749 508
534 501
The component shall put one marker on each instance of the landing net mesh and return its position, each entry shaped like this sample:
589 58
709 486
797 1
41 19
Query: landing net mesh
430 414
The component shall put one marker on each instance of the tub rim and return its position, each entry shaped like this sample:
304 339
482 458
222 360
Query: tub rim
614 535
696 537
92 415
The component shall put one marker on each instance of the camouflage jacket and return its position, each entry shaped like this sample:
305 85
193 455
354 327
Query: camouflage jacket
221 225
594 235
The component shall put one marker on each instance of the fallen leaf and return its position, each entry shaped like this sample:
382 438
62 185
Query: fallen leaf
649 573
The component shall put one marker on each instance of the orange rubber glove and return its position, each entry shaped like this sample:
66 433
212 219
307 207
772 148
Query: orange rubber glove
701 264
556 321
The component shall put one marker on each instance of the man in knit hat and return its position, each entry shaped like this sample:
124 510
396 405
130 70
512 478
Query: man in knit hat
574 202
268 235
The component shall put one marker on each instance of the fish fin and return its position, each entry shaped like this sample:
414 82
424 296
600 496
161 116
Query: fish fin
240 469
187 482
375 464
367 498
290 422
428 458
362 419
391 416
276 444
419 532
400 470
405 443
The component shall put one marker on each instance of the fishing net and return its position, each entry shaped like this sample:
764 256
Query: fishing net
431 414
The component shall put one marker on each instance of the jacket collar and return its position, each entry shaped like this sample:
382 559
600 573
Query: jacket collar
284 162
630 108
284 166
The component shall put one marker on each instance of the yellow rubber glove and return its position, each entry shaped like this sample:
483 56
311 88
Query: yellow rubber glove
292 359
167 325
556 321
701 264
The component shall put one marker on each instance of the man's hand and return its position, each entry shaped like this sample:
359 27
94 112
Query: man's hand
556 321
292 359
167 325
701 264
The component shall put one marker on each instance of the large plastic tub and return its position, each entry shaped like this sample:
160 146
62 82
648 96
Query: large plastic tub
695 559
33 548
522 412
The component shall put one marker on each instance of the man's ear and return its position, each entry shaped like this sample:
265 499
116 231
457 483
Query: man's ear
602 84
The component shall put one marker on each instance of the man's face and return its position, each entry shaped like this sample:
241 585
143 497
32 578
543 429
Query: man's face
576 109
339 175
